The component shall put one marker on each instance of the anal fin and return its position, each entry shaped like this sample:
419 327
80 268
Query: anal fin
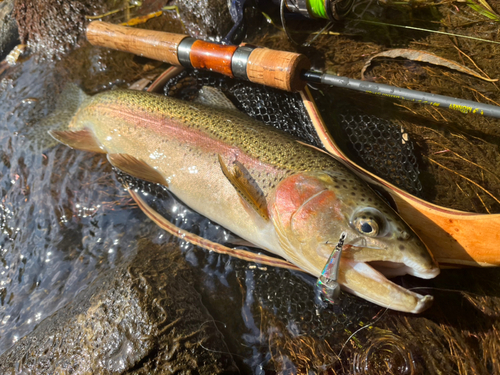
137 168
79 139
245 189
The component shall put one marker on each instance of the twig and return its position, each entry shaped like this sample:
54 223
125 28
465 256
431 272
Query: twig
483 203
465 178
485 97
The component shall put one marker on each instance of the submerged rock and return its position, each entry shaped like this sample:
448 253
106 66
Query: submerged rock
9 36
51 27
206 18
144 317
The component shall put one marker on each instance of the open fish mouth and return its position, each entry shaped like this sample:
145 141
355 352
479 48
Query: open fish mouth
393 269
369 280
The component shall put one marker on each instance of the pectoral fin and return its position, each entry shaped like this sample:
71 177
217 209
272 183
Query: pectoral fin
137 168
80 139
245 189
240 242
283 239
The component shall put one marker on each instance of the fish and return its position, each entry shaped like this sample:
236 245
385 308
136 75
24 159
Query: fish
279 194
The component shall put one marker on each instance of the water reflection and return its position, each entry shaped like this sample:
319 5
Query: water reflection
60 216
384 353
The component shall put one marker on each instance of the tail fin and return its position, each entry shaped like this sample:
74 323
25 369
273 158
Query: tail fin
70 100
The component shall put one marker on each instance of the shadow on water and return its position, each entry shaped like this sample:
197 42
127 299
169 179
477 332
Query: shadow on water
66 221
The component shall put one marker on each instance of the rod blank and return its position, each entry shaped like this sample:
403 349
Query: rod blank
462 105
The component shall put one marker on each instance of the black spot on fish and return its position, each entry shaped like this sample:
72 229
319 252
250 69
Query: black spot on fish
401 247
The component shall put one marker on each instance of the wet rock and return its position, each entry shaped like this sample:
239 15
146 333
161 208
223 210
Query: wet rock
9 36
145 317
52 27
206 18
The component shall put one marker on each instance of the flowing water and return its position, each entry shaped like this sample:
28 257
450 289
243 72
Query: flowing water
66 219
56 235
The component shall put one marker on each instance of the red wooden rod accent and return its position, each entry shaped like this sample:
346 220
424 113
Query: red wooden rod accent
156 45
213 57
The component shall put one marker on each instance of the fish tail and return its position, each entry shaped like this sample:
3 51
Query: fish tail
69 101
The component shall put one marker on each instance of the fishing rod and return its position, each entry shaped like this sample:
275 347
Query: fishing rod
280 69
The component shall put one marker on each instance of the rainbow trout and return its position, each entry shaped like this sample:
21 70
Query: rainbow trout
273 191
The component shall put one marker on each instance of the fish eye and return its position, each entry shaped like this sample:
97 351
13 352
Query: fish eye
367 225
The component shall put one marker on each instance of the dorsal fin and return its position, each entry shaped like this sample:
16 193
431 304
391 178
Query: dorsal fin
137 168
314 147
79 139
245 189
214 98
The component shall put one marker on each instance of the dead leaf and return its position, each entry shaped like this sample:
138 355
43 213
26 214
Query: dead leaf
423 56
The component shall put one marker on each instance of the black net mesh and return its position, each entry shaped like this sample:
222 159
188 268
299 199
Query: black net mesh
385 149
379 145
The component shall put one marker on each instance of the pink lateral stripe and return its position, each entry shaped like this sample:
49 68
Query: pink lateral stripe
173 129
207 244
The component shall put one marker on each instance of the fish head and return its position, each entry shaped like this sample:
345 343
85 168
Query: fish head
310 211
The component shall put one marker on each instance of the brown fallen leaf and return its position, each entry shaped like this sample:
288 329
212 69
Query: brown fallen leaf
427 57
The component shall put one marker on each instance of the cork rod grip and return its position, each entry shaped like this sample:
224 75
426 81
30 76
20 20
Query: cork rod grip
155 45
277 69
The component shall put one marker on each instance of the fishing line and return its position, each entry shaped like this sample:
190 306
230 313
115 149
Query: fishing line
214 321
362 328
221 352
447 290
283 23
388 307
429 31
325 29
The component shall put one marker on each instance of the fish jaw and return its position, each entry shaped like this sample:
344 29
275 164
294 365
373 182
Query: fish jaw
310 214
366 282
394 257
